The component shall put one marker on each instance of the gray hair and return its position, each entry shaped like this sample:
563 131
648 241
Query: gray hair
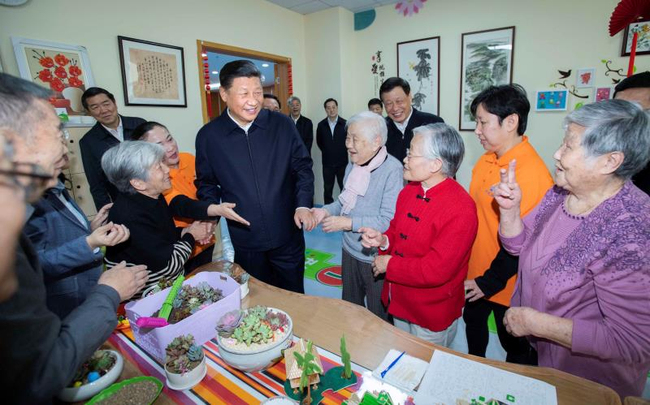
615 126
373 125
131 160
290 99
443 142
17 98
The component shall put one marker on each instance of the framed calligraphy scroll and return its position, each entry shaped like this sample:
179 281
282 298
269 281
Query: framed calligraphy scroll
153 74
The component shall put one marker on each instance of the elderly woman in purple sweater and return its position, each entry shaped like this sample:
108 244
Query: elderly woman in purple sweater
583 293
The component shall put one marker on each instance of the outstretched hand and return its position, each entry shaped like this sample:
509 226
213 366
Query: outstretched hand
508 193
371 237
226 210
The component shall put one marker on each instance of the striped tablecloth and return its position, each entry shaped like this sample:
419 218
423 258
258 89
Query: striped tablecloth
224 384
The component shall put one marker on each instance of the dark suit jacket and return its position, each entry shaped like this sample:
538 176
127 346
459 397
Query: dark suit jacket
397 142
267 173
93 145
306 130
39 352
332 147
71 268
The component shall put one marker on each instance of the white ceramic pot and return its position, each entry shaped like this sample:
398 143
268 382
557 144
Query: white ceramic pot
252 359
86 391
180 382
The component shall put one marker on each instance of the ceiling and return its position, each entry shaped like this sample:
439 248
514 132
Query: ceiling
312 6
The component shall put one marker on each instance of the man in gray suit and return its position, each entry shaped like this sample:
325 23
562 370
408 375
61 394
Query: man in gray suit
39 352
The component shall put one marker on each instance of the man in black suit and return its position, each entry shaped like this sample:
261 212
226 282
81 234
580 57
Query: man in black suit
44 351
330 137
402 117
110 129
303 124
254 158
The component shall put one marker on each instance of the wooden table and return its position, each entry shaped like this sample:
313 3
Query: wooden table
324 320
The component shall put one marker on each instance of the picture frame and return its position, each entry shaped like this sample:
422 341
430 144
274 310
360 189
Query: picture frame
153 74
418 62
481 69
585 78
643 41
551 100
603 93
62 68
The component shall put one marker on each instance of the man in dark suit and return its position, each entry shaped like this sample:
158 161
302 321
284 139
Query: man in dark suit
110 129
303 124
330 137
254 158
402 117
44 351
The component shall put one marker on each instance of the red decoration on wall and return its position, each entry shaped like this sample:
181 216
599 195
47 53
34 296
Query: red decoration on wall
625 13
290 79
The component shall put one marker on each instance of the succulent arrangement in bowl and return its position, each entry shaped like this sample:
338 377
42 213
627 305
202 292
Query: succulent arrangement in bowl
94 368
95 374
183 355
252 340
191 299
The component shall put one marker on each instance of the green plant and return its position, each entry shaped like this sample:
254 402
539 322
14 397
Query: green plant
308 366
258 325
191 299
183 355
345 358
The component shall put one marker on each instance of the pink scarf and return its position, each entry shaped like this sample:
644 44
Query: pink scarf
358 181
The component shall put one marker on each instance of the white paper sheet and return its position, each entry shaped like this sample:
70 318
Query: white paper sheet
405 374
454 380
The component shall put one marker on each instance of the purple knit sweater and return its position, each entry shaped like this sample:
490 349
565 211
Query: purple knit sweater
594 270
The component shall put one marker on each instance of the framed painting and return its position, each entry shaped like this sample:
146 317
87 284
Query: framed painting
418 62
486 60
153 74
551 100
643 40
64 69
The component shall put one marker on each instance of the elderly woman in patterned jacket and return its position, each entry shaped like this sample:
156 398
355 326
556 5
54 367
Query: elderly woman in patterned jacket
425 251
584 263
137 170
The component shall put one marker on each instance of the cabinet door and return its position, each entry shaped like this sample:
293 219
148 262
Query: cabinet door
74 153
82 194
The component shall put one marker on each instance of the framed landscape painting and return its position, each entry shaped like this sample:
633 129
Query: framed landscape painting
486 60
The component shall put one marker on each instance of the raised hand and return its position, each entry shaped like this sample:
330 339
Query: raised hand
371 237
108 235
101 217
507 193
125 280
319 214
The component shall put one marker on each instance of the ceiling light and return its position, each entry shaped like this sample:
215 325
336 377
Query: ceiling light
265 65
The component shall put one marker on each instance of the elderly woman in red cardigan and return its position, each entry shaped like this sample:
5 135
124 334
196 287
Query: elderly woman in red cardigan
426 249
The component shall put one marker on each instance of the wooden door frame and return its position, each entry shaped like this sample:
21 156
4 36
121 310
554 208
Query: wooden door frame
207 46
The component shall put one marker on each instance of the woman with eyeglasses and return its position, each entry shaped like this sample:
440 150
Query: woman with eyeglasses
425 251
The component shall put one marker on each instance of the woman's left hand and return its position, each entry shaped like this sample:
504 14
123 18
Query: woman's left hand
335 224
380 264
101 217
519 321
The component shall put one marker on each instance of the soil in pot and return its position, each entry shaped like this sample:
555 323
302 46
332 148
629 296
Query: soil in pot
137 393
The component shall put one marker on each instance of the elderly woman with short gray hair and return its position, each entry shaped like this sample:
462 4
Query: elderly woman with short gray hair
373 179
137 170
584 263
425 251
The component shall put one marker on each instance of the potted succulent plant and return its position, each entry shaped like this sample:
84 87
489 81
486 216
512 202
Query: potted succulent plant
184 363
191 299
254 340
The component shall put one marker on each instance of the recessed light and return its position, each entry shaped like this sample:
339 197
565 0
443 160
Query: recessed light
265 65
214 72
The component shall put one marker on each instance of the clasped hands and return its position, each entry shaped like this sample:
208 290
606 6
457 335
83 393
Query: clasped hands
331 223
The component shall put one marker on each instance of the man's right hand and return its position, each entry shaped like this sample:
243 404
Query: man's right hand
125 280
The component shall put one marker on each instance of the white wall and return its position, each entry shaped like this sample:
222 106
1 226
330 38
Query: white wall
550 35
95 24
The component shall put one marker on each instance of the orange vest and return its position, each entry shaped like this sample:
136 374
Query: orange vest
183 184
533 178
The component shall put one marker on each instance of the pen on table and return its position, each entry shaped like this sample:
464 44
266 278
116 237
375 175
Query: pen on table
383 373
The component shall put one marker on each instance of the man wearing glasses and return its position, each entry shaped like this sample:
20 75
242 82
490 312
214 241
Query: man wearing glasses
40 352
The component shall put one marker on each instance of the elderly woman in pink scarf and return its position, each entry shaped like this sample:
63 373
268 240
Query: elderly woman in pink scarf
373 179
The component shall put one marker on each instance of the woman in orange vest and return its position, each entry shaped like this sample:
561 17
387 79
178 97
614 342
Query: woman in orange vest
501 114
